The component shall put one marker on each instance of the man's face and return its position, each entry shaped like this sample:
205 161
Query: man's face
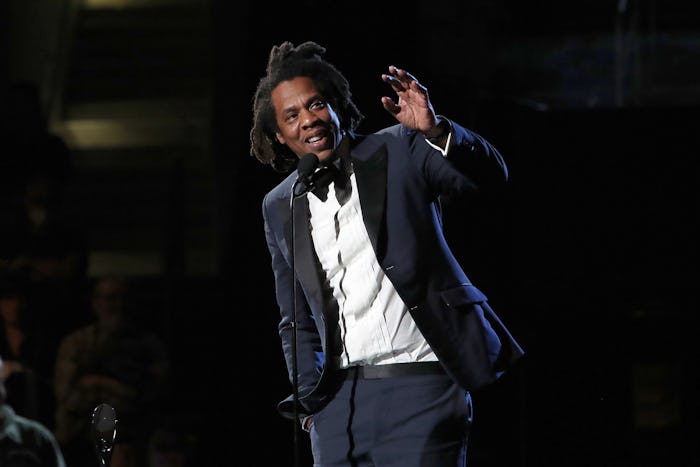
107 299
10 306
306 121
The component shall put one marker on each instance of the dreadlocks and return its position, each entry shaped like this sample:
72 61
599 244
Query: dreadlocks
285 63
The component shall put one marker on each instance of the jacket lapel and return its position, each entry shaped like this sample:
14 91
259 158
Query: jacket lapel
370 175
304 256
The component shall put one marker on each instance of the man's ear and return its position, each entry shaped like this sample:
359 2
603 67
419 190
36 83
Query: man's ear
280 138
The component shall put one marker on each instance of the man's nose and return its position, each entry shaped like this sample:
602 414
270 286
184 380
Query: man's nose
308 118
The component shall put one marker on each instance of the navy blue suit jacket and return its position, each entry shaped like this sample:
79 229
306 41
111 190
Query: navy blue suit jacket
400 179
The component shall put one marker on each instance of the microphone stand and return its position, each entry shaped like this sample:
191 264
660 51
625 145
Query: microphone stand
309 163
295 372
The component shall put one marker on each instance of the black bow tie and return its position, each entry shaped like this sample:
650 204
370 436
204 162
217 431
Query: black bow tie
324 176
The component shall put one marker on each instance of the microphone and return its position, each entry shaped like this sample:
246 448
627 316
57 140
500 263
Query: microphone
305 168
104 432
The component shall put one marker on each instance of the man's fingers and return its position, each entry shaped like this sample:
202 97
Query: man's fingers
390 106
394 82
403 75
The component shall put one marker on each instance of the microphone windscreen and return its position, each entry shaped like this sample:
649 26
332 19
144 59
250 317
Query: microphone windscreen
307 164
104 421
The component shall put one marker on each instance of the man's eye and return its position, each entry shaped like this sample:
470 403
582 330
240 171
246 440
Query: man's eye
318 105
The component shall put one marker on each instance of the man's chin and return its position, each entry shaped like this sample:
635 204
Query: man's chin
324 155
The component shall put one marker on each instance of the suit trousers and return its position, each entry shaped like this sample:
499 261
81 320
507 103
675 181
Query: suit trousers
396 421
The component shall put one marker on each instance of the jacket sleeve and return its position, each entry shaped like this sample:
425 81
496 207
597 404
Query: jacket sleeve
308 343
474 156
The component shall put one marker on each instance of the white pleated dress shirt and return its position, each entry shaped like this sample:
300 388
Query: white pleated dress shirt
376 327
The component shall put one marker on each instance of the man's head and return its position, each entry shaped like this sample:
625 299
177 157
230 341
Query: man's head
301 105
108 299
13 302
42 198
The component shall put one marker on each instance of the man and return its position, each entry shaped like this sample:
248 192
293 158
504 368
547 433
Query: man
383 333
25 442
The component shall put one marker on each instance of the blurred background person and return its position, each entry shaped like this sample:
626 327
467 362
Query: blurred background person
39 239
25 442
28 356
30 149
46 248
113 360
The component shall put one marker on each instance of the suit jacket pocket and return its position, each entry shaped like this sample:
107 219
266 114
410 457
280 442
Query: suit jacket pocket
466 294
478 344
488 348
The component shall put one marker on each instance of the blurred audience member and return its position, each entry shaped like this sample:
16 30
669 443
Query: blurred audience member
25 442
39 240
46 247
29 148
114 360
37 237
27 354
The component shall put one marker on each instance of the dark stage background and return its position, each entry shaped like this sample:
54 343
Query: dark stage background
589 255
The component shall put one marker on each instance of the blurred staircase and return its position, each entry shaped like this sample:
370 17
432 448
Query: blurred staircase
133 103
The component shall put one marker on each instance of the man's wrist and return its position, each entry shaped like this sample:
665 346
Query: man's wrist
306 423
439 131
